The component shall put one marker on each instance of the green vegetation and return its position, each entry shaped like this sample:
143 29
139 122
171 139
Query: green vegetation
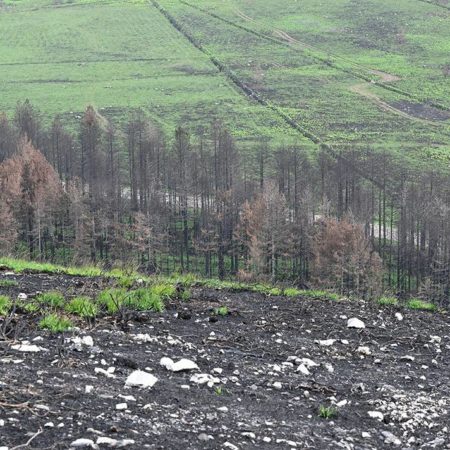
51 299
186 295
292 292
313 62
144 300
5 305
55 323
83 307
222 311
421 305
8 283
388 301
112 299
326 412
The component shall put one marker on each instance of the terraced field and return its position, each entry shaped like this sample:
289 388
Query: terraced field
370 75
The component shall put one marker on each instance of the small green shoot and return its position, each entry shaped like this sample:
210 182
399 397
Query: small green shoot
326 412
222 311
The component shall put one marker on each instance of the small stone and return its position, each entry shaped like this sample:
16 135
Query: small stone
222 409
22 296
277 385
26 348
390 438
180 366
49 425
83 443
355 323
399 316
141 379
376 415
326 342
121 406
88 389
407 358
249 434
364 351
365 435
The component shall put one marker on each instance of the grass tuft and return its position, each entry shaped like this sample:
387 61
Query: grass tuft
388 301
326 412
55 323
8 283
83 307
51 299
421 305
5 305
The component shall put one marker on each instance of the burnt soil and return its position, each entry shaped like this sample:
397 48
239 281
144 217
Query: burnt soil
260 400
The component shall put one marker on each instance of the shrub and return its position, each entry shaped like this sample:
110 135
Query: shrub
421 305
51 299
5 305
55 323
83 307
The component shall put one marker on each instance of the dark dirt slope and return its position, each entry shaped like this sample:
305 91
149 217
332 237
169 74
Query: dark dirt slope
272 363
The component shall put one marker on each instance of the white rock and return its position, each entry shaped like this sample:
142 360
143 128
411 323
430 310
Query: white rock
326 342
223 409
2 423
407 358
49 425
204 378
303 369
22 296
267 439
128 398
376 415
179 366
390 438
355 323
249 434
308 363
217 370
342 403
277 385
230 445
104 372
83 443
26 348
329 367
364 351
399 316
121 406
365 435
88 389
142 379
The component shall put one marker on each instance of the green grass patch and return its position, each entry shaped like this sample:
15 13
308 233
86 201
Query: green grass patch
83 307
222 311
388 301
292 292
144 300
421 305
51 299
326 412
8 283
164 290
5 305
112 299
55 323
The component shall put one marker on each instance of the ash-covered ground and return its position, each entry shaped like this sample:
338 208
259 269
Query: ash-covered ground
260 376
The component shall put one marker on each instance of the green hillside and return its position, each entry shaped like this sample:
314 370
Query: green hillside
369 75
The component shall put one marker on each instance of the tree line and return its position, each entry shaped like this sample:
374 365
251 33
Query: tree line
358 222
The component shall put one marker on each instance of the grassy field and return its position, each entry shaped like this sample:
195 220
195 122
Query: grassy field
370 75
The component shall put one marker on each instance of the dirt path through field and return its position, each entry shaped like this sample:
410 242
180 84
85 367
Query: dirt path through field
362 89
